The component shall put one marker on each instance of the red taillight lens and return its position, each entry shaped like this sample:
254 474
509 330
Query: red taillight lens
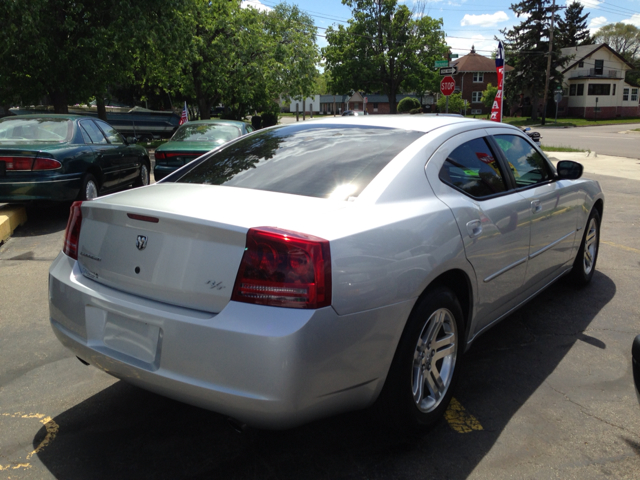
72 233
284 269
17 163
46 164
28 164
160 155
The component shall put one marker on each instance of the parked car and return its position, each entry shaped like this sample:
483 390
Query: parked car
353 113
194 139
66 157
319 267
635 353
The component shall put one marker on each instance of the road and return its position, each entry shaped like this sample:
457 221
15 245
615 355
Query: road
605 139
545 394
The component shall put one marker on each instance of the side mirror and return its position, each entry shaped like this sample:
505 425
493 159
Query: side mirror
132 140
568 170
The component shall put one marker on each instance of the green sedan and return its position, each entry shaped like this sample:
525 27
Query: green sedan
66 157
194 139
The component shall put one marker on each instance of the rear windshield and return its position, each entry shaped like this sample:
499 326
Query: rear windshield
218 133
336 161
32 130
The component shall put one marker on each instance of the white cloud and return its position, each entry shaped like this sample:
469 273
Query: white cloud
486 20
634 20
255 4
596 23
587 3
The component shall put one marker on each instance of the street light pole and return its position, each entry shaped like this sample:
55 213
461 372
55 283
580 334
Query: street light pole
546 82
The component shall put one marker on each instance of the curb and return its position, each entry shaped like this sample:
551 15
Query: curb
11 217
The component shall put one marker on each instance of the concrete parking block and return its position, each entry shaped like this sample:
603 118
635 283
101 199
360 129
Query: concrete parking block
11 217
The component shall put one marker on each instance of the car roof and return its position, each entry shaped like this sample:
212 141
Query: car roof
419 122
45 115
215 120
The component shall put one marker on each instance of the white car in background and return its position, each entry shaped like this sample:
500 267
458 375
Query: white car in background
316 268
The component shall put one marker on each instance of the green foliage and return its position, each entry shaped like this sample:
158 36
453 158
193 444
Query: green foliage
527 46
413 111
573 30
407 104
624 38
269 119
385 47
456 103
489 95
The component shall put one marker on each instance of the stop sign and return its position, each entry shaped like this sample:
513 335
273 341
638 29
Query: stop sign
447 85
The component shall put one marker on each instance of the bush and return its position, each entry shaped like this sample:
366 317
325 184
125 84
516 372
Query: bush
255 122
415 110
269 119
407 104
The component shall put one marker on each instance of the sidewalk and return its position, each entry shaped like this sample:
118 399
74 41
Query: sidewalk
621 167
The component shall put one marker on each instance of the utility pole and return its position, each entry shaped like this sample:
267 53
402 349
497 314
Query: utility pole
546 82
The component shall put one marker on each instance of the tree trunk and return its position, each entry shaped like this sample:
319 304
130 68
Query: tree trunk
392 99
534 107
60 103
102 110
204 104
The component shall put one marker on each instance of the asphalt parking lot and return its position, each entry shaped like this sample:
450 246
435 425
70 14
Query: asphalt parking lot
548 393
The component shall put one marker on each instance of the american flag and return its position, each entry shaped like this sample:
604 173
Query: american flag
184 118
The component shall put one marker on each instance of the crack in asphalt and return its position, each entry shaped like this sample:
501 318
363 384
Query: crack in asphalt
583 411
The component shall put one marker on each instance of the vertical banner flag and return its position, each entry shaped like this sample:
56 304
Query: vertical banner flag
496 109
184 118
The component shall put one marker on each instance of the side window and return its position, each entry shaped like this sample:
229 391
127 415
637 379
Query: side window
527 165
473 169
85 136
112 134
94 132
249 129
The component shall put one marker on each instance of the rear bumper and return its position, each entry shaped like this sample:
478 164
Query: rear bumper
60 188
161 171
266 366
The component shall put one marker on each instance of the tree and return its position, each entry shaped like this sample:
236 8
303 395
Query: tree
622 37
572 30
527 47
456 103
489 96
385 47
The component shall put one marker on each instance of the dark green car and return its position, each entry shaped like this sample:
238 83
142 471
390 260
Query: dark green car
66 157
194 139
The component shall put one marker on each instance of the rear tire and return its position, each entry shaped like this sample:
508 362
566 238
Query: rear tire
584 265
143 177
425 368
89 188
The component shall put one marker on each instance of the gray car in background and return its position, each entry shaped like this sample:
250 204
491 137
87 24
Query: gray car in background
322 267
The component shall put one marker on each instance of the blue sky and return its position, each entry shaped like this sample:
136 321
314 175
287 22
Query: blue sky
468 23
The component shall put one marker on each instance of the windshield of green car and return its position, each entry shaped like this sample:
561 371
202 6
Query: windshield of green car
34 130
206 132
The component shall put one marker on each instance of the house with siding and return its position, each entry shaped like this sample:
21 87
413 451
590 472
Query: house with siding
594 85
475 72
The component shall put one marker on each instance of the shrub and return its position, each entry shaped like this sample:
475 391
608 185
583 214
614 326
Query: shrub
407 104
269 119
255 122
415 110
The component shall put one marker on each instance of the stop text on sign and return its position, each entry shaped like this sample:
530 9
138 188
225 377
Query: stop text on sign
447 86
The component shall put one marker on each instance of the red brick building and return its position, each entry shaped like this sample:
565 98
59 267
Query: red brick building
475 72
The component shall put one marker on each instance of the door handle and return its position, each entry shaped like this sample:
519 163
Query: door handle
474 228
535 206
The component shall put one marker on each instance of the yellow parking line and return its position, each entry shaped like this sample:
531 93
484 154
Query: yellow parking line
459 419
628 249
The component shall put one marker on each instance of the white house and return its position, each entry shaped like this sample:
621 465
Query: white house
594 85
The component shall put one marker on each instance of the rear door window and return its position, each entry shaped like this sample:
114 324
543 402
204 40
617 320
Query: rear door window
528 166
326 161
473 169
111 133
93 131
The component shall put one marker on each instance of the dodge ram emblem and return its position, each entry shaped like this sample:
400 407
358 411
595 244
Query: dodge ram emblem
141 242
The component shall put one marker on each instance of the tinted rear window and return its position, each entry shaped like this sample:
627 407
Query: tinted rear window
323 161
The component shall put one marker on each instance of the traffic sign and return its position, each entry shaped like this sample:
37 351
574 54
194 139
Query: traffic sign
454 55
558 96
441 63
447 86
449 70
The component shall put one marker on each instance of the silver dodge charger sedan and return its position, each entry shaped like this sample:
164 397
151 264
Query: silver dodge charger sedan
316 268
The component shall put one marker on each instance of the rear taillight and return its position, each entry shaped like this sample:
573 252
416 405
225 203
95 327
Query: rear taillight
284 269
28 164
160 156
46 164
72 233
